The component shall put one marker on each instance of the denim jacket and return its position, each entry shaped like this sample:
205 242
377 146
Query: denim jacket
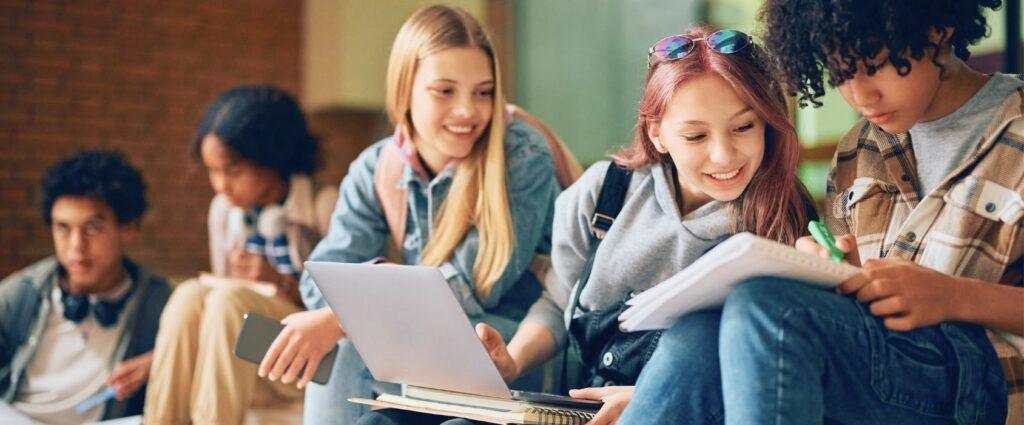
358 230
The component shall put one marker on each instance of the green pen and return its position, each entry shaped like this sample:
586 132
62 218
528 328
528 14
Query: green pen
824 237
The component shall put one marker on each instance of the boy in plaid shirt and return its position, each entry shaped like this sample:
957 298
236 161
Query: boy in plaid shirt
925 194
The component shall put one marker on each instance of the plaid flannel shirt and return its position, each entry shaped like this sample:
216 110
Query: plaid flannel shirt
970 225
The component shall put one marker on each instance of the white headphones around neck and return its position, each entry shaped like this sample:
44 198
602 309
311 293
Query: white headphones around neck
270 224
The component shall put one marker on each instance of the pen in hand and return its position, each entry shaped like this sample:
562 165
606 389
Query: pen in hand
824 237
96 400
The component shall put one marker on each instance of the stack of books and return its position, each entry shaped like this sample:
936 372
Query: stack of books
479 408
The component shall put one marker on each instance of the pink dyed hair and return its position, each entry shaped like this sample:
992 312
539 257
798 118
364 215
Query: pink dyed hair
775 204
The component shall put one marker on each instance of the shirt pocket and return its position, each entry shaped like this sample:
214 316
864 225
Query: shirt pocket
866 206
977 231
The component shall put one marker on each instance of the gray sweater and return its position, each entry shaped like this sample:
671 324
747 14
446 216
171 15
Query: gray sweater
649 241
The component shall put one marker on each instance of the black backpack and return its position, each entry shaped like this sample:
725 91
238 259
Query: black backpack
607 355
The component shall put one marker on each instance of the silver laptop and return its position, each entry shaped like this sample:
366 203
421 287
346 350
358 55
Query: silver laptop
409 328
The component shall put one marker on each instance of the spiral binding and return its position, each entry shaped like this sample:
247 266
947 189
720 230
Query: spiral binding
560 416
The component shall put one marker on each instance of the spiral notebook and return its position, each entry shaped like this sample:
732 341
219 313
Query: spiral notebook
524 413
708 281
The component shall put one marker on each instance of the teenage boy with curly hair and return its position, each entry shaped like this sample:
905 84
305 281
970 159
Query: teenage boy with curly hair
84 320
925 194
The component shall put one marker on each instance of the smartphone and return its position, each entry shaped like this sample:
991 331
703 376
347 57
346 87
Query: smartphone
258 332
556 400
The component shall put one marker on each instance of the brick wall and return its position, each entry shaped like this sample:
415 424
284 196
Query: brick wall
133 75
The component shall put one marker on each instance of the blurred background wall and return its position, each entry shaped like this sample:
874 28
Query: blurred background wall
136 75
132 75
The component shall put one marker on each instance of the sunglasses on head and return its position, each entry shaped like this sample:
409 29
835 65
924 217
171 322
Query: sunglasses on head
676 47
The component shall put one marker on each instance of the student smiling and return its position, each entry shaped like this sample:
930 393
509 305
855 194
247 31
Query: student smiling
713 154
479 188
926 194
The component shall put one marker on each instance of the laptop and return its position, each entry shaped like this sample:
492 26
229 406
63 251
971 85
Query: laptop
409 328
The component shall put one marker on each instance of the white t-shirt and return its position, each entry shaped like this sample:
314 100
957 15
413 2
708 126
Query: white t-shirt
71 364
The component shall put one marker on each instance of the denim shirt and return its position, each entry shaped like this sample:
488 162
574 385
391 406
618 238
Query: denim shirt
358 230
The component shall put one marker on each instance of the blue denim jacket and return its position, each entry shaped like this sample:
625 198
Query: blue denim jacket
359 232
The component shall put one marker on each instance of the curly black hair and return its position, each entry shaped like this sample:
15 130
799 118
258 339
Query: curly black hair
261 124
102 175
806 38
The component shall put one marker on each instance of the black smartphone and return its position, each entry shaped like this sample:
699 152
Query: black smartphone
556 400
258 332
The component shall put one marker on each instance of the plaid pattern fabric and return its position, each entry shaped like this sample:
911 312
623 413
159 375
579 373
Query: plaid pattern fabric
970 225
276 250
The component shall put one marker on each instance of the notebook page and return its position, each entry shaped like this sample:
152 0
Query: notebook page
710 279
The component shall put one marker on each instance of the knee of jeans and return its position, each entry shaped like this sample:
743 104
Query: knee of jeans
693 337
759 306
762 297
760 300
698 326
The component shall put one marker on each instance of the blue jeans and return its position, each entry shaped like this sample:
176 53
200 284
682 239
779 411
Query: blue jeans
328 404
796 354
681 383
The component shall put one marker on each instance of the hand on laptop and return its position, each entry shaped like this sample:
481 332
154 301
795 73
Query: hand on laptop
615 400
307 337
496 348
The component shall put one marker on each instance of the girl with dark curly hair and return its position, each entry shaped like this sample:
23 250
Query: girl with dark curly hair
925 194
266 218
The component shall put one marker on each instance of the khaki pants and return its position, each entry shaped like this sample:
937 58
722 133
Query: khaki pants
195 377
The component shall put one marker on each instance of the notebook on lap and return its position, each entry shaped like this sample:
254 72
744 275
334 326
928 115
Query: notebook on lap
708 281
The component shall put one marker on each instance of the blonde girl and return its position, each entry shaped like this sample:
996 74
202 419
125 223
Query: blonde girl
478 189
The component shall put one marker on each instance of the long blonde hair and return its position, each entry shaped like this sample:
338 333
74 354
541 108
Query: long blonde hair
478 195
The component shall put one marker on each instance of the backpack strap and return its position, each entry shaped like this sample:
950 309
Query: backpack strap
390 166
609 203
393 200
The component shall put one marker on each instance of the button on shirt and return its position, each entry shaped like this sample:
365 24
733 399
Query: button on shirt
70 365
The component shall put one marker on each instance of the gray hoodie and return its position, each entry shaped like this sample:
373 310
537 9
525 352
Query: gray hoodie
648 242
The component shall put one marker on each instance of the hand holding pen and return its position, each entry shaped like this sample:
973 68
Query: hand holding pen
124 381
901 293
824 244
